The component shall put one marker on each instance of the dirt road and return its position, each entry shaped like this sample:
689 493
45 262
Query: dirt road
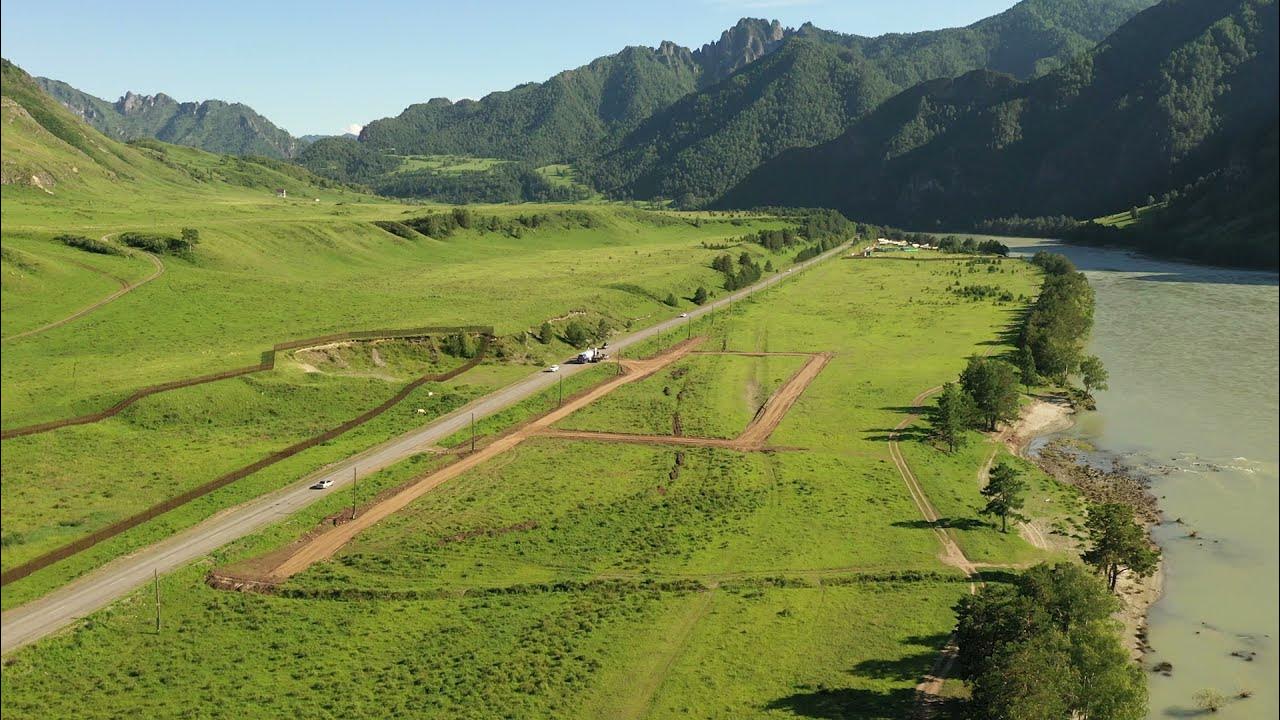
752 438
929 689
328 542
125 287
28 623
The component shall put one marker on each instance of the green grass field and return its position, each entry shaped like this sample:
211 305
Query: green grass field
713 396
584 579
267 269
448 164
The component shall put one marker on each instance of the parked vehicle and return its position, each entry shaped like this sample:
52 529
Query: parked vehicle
684 315
554 368
323 485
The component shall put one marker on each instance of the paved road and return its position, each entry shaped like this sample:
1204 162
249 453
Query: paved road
28 623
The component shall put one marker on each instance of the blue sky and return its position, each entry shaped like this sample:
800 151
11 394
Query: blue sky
318 67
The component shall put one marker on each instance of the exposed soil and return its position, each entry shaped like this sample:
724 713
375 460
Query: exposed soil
752 439
322 544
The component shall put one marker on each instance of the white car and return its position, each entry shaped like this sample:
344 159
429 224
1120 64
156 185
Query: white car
323 485
684 315
554 368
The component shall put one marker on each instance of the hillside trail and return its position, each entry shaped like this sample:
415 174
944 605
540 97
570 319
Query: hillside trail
327 542
125 288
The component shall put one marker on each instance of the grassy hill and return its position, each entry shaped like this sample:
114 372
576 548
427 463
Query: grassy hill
1184 92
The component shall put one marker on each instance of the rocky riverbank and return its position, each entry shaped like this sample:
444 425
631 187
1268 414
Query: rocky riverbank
1068 463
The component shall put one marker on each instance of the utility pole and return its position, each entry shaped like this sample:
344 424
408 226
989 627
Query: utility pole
355 491
473 432
561 400
155 574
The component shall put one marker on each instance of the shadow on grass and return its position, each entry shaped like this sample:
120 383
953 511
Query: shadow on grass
911 433
848 704
957 523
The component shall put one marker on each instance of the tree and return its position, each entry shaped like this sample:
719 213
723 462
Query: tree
1045 648
671 300
576 334
955 414
993 386
1026 361
1093 374
1004 494
190 236
1117 544
700 295
546 333
602 330
768 266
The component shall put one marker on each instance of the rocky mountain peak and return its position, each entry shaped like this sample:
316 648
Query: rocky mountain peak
747 41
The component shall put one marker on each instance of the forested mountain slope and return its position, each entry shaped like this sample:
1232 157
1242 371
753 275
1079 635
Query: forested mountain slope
212 125
575 110
818 82
1182 91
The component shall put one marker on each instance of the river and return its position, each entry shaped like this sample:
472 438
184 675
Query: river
1192 354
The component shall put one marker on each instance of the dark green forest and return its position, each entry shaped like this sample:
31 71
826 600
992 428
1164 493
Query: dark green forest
1181 98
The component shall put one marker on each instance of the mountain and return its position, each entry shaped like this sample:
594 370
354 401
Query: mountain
212 125
1183 96
817 82
576 110
49 152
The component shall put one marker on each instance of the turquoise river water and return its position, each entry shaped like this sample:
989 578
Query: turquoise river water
1192 353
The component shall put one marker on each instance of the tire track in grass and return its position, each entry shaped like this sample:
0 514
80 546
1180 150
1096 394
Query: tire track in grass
649 679
929 689
125 288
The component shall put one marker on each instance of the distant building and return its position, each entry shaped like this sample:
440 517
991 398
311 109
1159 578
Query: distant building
282 193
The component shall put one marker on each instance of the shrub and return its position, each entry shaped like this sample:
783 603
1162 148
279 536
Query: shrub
87 244
156 243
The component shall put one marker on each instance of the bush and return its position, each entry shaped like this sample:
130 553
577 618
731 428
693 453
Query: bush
87 244
159 244
398 228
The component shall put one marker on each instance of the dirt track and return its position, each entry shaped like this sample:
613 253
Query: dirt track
125 287
929 689
755 435
328 542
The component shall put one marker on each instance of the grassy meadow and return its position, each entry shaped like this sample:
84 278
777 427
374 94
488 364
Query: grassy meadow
267 269
713 396
585 579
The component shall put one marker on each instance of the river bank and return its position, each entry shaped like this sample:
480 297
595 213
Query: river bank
1193 405
1047 415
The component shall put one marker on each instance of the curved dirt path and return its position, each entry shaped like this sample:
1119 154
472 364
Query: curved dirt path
1027 529
125 288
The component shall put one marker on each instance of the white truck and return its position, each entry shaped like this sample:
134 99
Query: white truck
591 355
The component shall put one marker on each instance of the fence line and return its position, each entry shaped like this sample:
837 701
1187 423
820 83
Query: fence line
268 362
160 508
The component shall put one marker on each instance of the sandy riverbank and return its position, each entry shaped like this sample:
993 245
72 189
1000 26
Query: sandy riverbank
1048 414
